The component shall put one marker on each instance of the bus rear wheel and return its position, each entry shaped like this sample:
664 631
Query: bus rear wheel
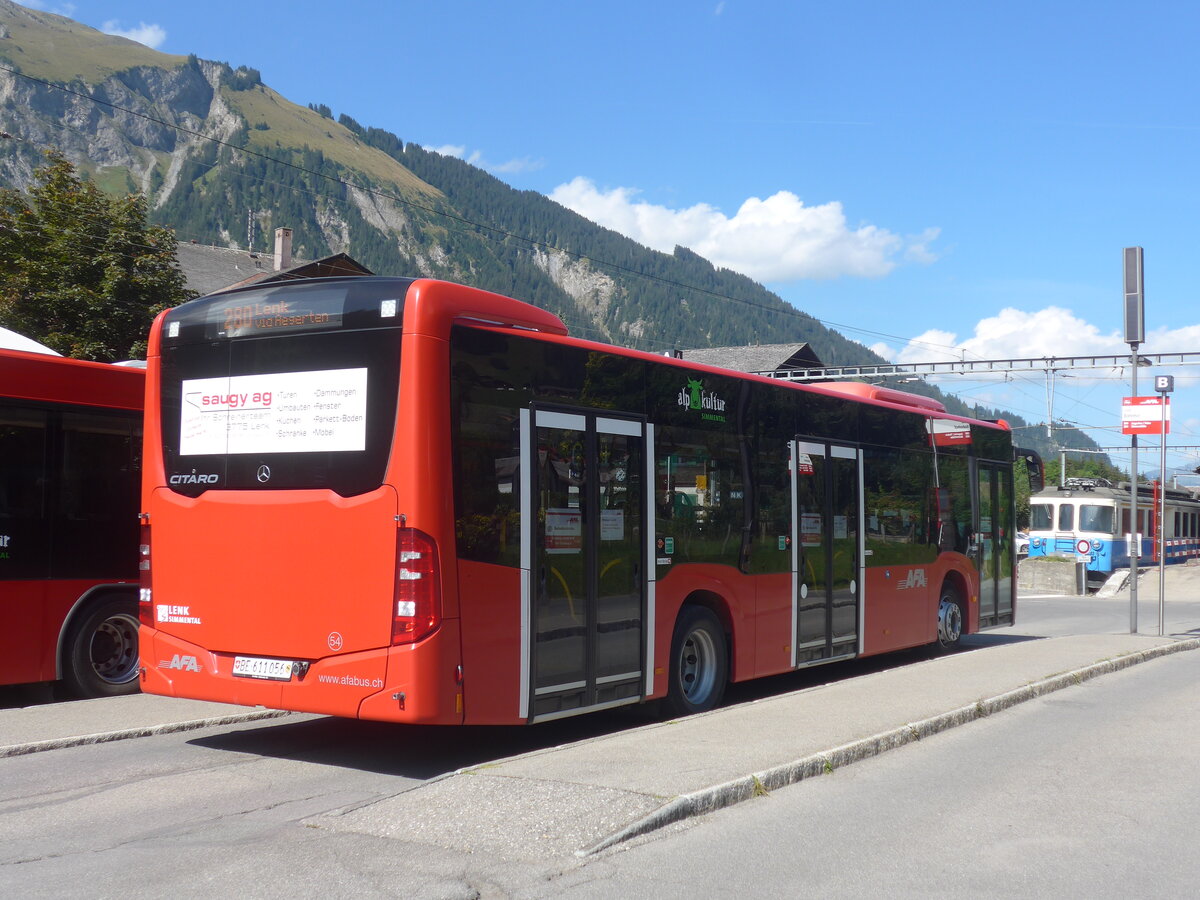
101 655
950 619
699 662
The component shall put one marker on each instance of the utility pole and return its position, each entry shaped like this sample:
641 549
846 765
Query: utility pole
1164 384
1135 334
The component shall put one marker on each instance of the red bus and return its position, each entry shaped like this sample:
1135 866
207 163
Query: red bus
414 501
70 447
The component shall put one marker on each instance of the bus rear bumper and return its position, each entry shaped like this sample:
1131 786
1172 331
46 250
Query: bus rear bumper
417 684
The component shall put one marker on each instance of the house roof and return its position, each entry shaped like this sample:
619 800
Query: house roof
210 269
759 358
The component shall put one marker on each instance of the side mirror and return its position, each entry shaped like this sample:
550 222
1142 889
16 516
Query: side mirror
1033 463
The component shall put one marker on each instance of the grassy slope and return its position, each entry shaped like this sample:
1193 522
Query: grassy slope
58 49
293 126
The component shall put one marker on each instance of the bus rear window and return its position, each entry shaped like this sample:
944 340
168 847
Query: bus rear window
276 412
286 406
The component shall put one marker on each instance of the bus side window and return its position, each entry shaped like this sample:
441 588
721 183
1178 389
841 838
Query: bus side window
24 525
95 519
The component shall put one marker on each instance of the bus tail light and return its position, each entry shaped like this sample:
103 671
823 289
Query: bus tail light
417 606
145 604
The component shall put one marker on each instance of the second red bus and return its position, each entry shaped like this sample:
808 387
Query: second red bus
70 446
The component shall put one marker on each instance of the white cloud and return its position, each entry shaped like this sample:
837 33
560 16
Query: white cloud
475 158
455 150
918 250
778 239
152 36
1018 334
1013 334
524 164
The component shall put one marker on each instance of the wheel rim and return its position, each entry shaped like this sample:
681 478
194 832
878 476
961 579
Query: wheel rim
698 666
949 622
113 649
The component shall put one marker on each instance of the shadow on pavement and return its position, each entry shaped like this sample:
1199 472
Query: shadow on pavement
16 696
424 752
413 751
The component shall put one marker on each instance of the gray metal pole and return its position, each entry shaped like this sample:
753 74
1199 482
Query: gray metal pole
1162 518
1134 542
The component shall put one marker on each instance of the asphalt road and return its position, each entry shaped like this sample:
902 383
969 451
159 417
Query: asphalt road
240 810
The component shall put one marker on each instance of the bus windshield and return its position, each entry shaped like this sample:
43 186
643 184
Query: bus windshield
288 386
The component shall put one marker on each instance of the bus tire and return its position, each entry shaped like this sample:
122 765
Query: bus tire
949 619
100 657
699 662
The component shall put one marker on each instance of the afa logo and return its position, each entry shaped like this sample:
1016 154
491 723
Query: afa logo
182 664
915 579
695 397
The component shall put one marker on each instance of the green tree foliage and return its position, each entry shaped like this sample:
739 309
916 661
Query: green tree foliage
350 123
242 78
80 271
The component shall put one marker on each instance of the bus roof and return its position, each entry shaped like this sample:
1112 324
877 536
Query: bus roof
59 379
486 310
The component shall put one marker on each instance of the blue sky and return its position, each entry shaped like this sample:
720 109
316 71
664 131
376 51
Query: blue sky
936 180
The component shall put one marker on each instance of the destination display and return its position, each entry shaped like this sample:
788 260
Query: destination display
243 316
286 412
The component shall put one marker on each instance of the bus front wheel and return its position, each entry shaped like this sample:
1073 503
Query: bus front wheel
100 658
699 662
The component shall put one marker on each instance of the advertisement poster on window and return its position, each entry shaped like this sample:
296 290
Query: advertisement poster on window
285 412
810 529
564 531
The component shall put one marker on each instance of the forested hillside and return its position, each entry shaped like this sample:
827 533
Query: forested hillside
224 159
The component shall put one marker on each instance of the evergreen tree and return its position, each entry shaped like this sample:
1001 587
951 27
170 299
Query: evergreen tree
82 272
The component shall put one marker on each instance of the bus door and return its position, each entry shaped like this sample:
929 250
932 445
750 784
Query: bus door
587 575
827 551
993 543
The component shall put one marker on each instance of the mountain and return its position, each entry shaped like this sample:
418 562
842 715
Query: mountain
224 159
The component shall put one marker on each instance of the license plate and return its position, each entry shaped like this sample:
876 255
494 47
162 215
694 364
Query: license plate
257 667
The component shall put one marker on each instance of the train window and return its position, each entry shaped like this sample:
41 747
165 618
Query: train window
1041 515
1096 518
1066 517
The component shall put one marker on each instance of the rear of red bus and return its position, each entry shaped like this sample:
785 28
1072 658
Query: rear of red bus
288 560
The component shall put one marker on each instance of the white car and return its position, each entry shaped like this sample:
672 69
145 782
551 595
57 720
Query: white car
1022 543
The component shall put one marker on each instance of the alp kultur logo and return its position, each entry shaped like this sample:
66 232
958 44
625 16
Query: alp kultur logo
707 403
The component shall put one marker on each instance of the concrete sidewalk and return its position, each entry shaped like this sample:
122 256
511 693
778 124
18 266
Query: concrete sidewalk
32 729
585 796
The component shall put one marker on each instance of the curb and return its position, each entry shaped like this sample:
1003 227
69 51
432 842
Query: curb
759 784
145 731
